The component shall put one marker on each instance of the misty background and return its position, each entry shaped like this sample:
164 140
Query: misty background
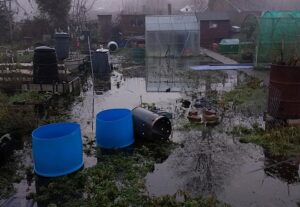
28 8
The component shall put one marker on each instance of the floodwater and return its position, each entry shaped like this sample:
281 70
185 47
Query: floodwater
211 162
208 161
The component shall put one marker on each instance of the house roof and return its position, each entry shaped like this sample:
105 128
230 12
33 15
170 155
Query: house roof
131 15
254 5
215 16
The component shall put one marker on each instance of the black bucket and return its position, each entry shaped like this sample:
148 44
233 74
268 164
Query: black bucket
148 125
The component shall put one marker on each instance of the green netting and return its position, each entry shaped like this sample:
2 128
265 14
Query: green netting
278 38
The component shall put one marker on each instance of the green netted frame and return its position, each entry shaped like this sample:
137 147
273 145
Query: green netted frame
278 39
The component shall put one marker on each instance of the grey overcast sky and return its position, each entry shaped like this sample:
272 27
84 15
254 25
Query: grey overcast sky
100 6
108 6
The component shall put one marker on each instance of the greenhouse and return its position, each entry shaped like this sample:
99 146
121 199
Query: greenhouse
172 36
278 38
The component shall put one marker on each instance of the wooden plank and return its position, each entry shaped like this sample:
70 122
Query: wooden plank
294 122
54 88
218 57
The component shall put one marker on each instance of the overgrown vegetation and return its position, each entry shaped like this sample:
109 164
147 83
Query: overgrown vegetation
117 180
19 115
19 112
243 93
57 11
191 126
14 118
204 76
31 97
25 57
8 176
283 141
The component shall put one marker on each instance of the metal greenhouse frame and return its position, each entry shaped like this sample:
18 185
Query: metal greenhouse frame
172 36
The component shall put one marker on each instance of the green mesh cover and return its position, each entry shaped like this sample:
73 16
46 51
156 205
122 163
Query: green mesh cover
278 37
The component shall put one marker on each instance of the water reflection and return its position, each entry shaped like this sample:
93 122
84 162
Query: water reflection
102 84
200 166
279 167
175 75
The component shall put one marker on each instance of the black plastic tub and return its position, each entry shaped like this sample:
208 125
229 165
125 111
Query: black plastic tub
148 125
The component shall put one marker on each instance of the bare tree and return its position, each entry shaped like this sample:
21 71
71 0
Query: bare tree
57 11
79 11
201 5
6 16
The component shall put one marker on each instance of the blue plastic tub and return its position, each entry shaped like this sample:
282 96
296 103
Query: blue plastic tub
114 129
57 149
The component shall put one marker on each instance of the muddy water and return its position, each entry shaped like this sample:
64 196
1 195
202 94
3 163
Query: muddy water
211 162
208 161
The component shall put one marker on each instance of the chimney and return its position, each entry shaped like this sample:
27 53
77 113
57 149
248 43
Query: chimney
169 9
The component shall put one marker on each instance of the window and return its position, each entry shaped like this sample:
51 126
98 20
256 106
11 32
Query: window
141 23
213 24
133 22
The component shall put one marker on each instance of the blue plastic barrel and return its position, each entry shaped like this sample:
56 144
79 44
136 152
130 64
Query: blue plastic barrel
57 149
114 129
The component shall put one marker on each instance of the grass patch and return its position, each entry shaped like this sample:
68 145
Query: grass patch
18 112
283 141
19 120
8 176
25 57
191 126
117 180
12 118
207 76
243 93
31 97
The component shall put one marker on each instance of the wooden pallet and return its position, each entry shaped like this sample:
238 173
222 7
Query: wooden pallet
58 88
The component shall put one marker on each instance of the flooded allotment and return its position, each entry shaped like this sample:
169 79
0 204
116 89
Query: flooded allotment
149 103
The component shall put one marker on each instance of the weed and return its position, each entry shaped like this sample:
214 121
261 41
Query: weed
32 97
247 92
8 176
191 126
284 141
117 180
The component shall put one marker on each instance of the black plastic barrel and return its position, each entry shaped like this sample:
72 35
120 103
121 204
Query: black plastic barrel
45 69
148 125
62 45
101 64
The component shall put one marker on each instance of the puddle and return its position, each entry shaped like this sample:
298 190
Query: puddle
208 161
176 75
212 162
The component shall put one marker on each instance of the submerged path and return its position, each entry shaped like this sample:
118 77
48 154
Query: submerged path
218 57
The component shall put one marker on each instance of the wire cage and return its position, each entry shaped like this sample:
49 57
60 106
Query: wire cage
278 38
172 36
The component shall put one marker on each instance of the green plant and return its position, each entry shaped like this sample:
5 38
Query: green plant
283 141
117 180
